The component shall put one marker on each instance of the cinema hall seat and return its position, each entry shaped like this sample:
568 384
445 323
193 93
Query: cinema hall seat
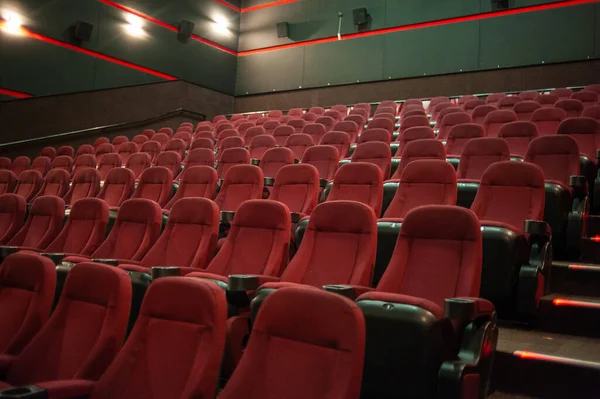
281 134
524 109
84 161
315 130
548 119
297 186
479 113
12 216
411 134
449 121
93 307
66 150
382 123
199 157
496 119
470 105
375 152
198 182
426 308
107 162
339 140
516 242
275 159
323 360
299 143
118 187
230 158
151 148
417 149
458 137
375 134
494 99
259 145
27 283
241 183
8 181
41 164
139 139
518 135
156 184
63 162
361 182
170 160
29 184
56 183
588 98
85 184
84 149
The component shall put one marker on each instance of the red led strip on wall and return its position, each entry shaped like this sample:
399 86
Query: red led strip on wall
165 25
13 93
255 8
420 25
577 304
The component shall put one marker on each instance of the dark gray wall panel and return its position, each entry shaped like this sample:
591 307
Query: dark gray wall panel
5 98
407 12
273 71
597 35
109 75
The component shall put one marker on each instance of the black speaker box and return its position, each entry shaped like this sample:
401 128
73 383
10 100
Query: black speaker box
83 31
283 29
360 16
185 29
498 5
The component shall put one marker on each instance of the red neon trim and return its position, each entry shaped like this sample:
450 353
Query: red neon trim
420 25
579 304
94 54
165 25
584 267
267 5
595 238
226 4
13 93
557 359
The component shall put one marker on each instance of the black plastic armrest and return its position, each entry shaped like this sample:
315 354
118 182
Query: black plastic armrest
537 228
112 262
165 271
227 216
242 282
343 290
54 257
269 181
27 391
295 216
254 161
323 183
6 250
579 186
464 310
598 154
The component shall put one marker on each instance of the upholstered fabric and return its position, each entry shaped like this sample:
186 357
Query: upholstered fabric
270 126
299 143
470 105
107 162
546 100
305 343
175 145
155 184
413 121
84 161
260 144
8 181
315 130
588 98
480 153
64 162
361 182
519 184
339 140
480 113
518 135
84 149
349 127
451 120
323 157
126 150
66 150
118 186
423 182
101 140
586 131
592 112
274 159
446 111
140 139
170 160
152 148
232 157
326 121
138 163
103 149
435 110
281 134
508 102
203 142
85 184
495 119
161 138
56 183
41 164
197 181
557 156
85 228
419 149
459 135
27 283
412 134
375 152
548 119
297 186
524 109
562 92
375 134
572 107
241 183
29 184
12 216
199 157
382 123
42 225
118 141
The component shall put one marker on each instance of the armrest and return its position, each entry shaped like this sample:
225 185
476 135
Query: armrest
68 388
295 217
24 392
579 186
467 309
165 271
54 257
248 282
349 291
538 229
323 183
227 216
598 154
112 262
6 250
269 181
254 161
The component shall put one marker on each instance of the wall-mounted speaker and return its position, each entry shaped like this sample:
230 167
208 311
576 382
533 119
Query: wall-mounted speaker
360 16
283 29
500 5
83 31
185 29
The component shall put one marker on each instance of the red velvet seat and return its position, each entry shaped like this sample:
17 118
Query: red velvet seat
299 143
322 358
12 216
297 186
244 127
152 148
376 153
449 121
323 157
494 99
508 102
412 121
592 112
382 123
107 163
140 139
412 134
297 124
442 114
126 150
495 119
572 107
459 135
435 110
156 184
360 121
326 121
309 117
546 100
470 105
586 131
259 145
393 110
548 119
66 150
274 114
118 141
202 142
118 187
339 140
5 163
84 161
232 157
480 113
63 162
562 92
274 159
316 110
43 224
462 100
270 126
281 134
85 184
518 135
241 183
361 182
375 134
341 108
85 228
528 95
135 230
315 130
363 112
419 149
190 315
230 142
138 163
435 101
100 141
184 136
204 129
27 283
84 149
56 183
29 184
170 160
196 181
218 118
588 98
349 127
295 112
252 132
103 149
188 240
524 109
161 138
175 145
366 106
41 164
198 157
93 310
149 133
8 181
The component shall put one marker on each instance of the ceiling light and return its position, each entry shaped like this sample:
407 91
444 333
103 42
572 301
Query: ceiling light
12 24
221 25
135 26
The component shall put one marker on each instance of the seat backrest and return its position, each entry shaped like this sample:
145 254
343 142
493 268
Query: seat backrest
594 87
309 117
480 113
435 111
102 149
184 136
190 235
364 112
56 183
49 152
257 242
101 140
231 142
495 119
66 150
332 234
510 193
8 181
84 161
261 121
295 112
118 186
444 112
5 163
586 131
412 121
412 134
274 114
470 105
548 119
420 149
155 184
297 186
202 142
451 120
191 315
315 130
374 152
588 98
161 138
270 126
281 134
423 182
329 353
508 102
27 283
260 144
140 139
438 255
12 216
136 229
562 92
139 162
375 134
546 100
326 121
199 157
42 225
339 140
170 160
462 100
118 141
382 123
196 181
152 148
386 110
29 184
41 164
494 98
524 109
252 132
86 183
241 183
299 143
175 145
20 164
108 162
459 135
84 149
231 157
323 157
557 156
361 182
274 159
349 127
572 107
126 150
91 315
360 120
480 153
149 133
592 112
341 108
244 127
316 110
85 228
518 135
528 95
63 162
